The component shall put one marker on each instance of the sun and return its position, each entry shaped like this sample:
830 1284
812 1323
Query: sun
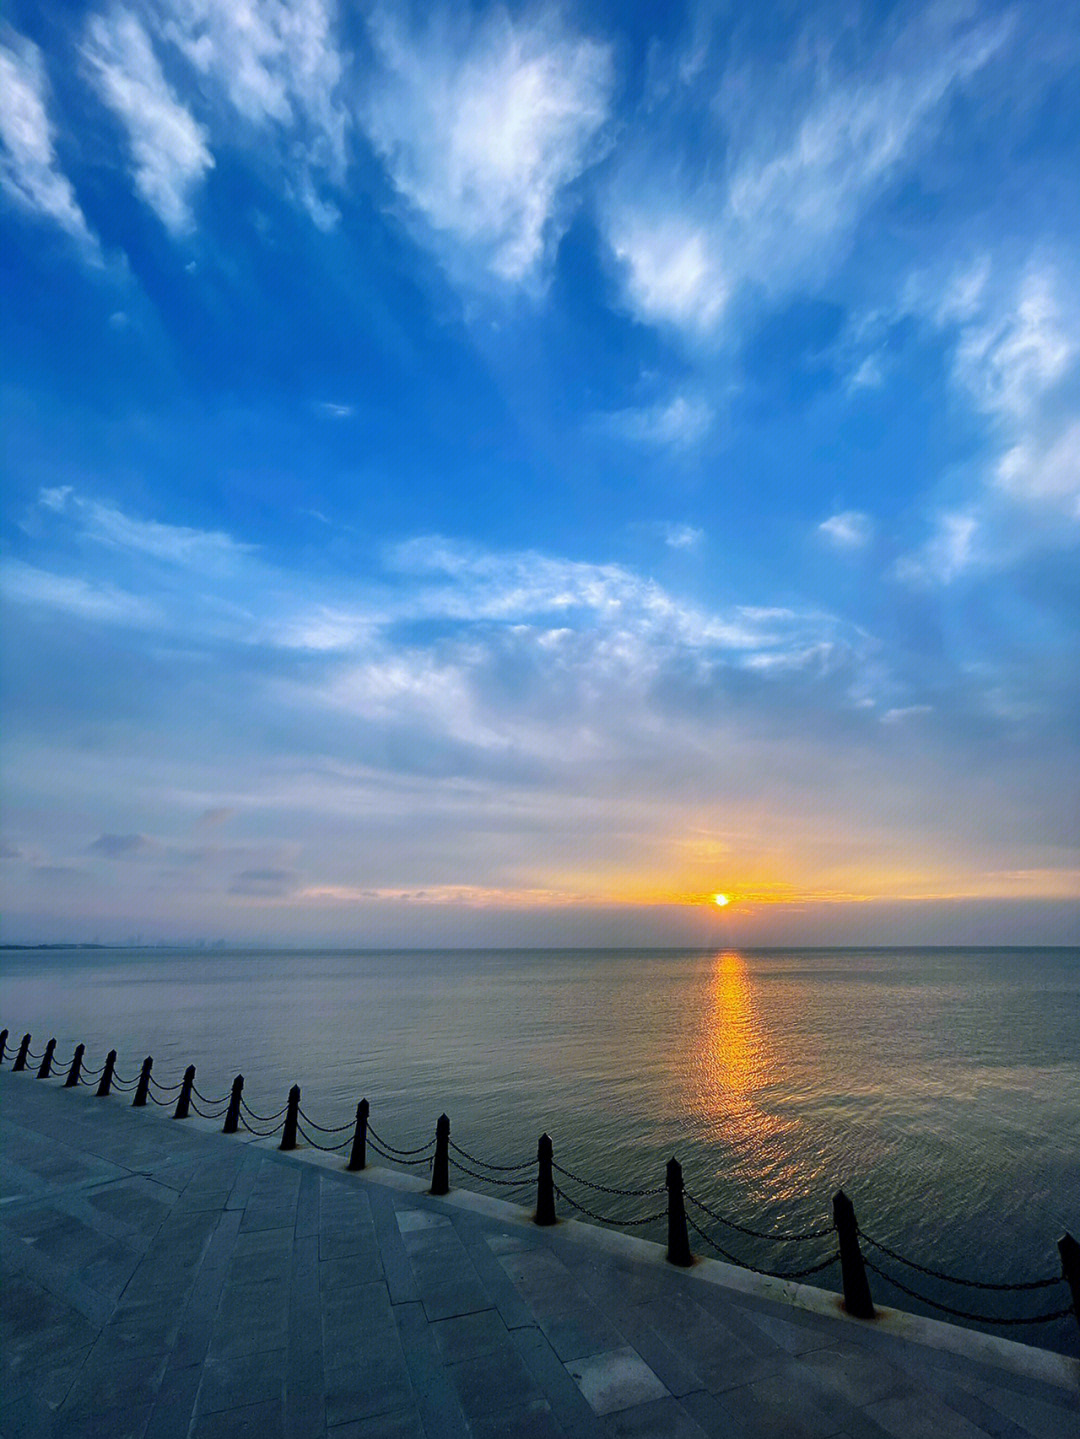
721 900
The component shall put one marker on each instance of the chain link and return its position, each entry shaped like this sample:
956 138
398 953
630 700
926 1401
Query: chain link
604 1188
387 1145
326 1148
260 1133
952 1279
606 1219
203 1114
394 1159
261 1118
963 1313
770 1273
759 1233
166 1088
199 1095
327 1128
486 1163
490 1179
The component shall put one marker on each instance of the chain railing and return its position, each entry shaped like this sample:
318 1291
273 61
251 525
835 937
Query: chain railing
294 1124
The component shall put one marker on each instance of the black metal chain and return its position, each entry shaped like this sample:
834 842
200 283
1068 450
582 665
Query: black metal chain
754 1269
326 1148
605 1188
36 1058
327 1128
490 1179
963 1313
607 1219
262 1118
395 1159
952 1278
94 1073
486 1163
260 1133
165 1103
387 1145
199 1095
760 1233
203 1114
166 1088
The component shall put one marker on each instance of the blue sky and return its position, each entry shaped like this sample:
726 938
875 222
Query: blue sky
504 475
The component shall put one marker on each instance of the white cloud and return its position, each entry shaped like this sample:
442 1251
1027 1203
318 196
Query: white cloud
905 712
1010 359
679 424
672 269
1017 347
946 554
178 544
868 375
278 65
848 530
681 537
25 584
29 171
168 146
631 610
796 180
482 131
1038 472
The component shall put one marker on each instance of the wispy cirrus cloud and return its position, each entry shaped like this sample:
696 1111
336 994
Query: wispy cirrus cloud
847 530
676 424
793 184
169 150
483 126
1016 358
278 66
29 168
108 525
91 599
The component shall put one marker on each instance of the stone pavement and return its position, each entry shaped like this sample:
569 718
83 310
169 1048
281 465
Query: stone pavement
161 1281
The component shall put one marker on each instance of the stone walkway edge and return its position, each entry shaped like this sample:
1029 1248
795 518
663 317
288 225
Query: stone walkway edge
1026 1360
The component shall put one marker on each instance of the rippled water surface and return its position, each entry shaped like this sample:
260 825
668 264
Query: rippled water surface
941 1088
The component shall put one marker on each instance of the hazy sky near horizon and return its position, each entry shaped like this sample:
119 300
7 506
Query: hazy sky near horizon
509 473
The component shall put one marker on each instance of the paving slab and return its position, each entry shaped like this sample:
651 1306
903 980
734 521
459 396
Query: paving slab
161 1280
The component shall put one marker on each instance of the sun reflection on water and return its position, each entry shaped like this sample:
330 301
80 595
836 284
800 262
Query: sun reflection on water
740 1074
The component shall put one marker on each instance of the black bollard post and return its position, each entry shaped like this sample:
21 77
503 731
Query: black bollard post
232 1114
857 1299
20 1058
440 1165
1070 1269
76 1067
107 1074
183 1103
3 1044
142 1089
292 1119
45 1072
545 1182
358 1154
678 1240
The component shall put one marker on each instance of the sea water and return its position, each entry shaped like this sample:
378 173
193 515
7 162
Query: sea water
939 1087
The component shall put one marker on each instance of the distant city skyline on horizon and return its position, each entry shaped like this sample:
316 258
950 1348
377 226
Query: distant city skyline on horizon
484 473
